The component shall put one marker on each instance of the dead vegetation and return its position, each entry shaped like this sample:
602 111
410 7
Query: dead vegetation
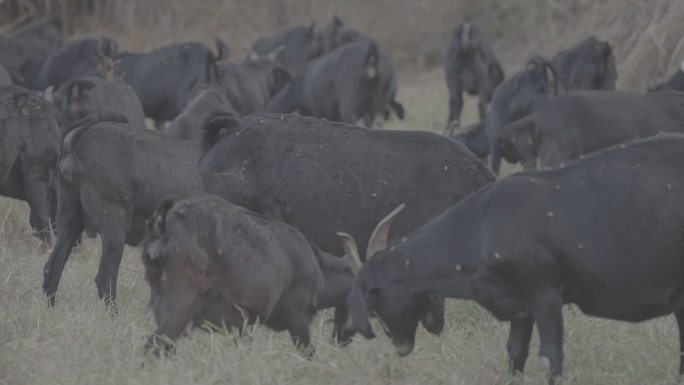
647 35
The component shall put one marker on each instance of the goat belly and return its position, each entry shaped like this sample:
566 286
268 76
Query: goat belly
500 299
629 304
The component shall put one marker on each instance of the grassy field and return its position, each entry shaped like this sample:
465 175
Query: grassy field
77 341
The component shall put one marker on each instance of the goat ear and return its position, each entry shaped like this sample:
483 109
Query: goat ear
108 47
222 51
281 77
358 311
351 251
607 49
337 22
71 93
85 85
227 123
398 109
76 87
433 319
158 220
495 71
216 126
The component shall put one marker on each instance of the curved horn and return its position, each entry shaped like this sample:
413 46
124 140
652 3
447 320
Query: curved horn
351 251
47 94
378 239
274 53
552 85
251 55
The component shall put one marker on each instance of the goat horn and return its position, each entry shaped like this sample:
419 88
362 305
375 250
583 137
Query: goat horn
378 239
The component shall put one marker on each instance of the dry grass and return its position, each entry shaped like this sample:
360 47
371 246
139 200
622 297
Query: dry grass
647 35
79 342
425 33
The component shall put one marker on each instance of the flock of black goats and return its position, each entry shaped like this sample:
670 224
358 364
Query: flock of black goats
246 202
